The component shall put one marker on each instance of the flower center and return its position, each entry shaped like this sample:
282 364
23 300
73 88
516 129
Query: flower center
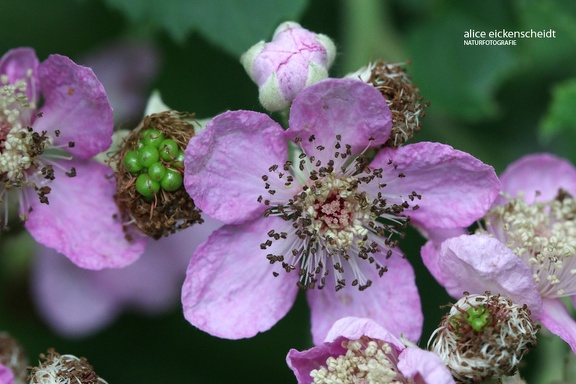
543 234
366 361
21 147
340 217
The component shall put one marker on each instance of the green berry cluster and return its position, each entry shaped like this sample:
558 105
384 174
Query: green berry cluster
156 162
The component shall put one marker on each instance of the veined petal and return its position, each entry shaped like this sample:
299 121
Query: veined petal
557 320
392 301
347 107
79 220
416 362
225 162
479 263
456 188
543 173
16 64
230 291
75 103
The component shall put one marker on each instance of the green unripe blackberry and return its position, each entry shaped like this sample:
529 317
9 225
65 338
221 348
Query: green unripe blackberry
132 162
146 186
152 137
168 150
148 155
172 180
156 171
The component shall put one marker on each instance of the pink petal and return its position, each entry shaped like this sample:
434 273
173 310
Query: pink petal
304 362
417 363
230 291
151 284
353 328
6 375
75 103
479 263
456 188
16 63
543 172
557 320
62 291
392 301
350 108
79 220
225 163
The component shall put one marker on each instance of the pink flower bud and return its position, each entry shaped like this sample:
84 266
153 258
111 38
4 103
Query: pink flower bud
293 60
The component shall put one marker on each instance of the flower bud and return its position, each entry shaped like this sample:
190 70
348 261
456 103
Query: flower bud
484 337
293 60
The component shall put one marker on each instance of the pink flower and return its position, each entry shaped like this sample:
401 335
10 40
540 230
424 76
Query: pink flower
295 59
151 285
45 151
361 351
527 248
323 220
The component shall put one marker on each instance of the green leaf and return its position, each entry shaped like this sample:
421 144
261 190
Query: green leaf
561 115
558 16
459 80
234 25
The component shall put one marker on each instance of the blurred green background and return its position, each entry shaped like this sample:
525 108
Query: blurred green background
495 102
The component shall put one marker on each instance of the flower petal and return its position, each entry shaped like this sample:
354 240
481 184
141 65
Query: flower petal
16 64
304 362
456 188
6 375
479 263
79 220
230 291
416 362
61 291
392 301
543 172
75 103
151 284
353 328
347 107
557 320
225 162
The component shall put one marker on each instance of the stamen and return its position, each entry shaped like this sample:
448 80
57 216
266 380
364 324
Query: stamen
365 361
336 227
543 235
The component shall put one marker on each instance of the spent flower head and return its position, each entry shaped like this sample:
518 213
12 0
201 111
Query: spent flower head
327 219
484 337
54 368
293 60
402 96
13 361
149 178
